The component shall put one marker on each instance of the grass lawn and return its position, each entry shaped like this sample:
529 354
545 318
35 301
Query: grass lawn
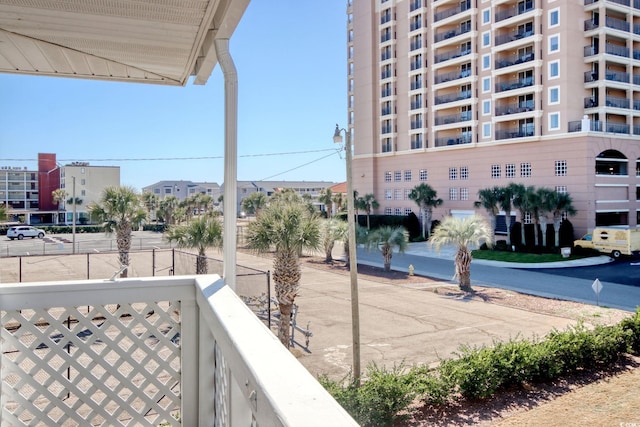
521 256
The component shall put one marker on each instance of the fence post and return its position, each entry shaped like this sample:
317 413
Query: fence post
20 270
88 266
173 261
153 262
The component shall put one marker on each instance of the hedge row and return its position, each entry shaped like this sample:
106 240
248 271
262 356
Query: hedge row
480 372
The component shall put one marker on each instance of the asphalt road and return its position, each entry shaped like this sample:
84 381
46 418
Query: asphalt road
562 283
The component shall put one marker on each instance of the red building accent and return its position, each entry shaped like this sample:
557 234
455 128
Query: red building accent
48 180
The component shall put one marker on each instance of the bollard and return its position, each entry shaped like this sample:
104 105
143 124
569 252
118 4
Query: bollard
411 269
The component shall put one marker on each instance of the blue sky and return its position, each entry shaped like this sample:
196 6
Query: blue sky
291 62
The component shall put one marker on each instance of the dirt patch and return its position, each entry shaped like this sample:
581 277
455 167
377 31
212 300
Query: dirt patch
592 398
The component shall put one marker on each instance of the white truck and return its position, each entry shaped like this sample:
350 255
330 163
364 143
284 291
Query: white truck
611 241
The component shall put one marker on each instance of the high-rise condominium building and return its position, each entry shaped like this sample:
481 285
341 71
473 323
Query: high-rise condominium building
465 95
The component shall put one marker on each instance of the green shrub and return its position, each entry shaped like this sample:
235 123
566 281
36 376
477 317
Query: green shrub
379 400
632 324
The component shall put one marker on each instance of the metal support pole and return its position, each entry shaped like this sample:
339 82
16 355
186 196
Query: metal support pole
230 160
353 262
73 221
88 266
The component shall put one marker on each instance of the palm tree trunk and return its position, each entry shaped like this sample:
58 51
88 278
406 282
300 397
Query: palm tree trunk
423 215
556 230
286 275
463 269
201 263
387 254
123 241
328 257
543 229
508 223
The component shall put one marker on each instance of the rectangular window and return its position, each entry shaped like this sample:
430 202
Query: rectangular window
554 17
486 107
525 170
453 173
453 194
388 211
554 95
83 193
422 175
561 168
486 39
554 121
407 211
486 130
486 84
407 175
561 189
486 61
554 43
486 16
397 194
464 172
398 211
509 170
554 69
416 141
397 176
407 191
496 171
387 176
388 194
464 194
83 181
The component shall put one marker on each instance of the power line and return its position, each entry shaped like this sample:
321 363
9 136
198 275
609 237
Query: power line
145 159
303 165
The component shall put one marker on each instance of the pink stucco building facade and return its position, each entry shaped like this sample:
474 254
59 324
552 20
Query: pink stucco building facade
481 93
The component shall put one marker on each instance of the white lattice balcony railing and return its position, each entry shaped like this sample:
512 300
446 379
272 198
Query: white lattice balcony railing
176 351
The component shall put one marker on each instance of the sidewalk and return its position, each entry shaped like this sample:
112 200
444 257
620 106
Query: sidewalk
398 324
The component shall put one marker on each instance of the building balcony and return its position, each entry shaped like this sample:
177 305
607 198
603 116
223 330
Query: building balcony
452 97
453 140
590 102
449 34
514 60
636 105
502 110
514 133
628 3
587 125
514 11
616 102
451 54
174 351
516 35
447 13
448 77
453 118
514 84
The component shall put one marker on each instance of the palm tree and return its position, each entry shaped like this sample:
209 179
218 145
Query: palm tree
58 197
326 197
254 202
490 200
121 211
427 199
505 201
463 233
561 203
545 198
150 201
367 203
522 202
338 201
289 228
167 208
386 239
332 230
202 233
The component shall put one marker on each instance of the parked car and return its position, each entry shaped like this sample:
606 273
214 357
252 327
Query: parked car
23 231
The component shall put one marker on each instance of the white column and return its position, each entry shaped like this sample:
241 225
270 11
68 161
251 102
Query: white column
230 160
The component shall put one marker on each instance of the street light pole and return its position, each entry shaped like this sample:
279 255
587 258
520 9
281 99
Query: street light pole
353 262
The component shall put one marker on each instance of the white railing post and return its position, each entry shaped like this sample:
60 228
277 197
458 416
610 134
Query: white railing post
190 386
